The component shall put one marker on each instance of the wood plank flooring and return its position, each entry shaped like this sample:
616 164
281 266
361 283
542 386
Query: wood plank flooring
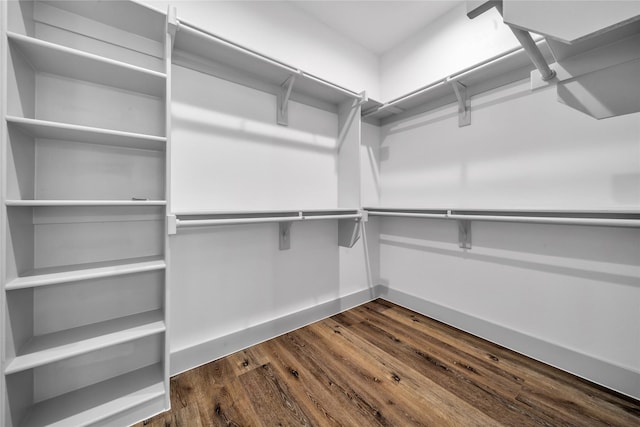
383 365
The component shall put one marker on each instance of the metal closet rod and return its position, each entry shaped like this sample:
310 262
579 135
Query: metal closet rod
567 220
216 39
262 219
455 76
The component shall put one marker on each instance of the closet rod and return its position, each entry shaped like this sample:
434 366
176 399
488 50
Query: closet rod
256 220
456 76
567 220
603 222
196 31
409 214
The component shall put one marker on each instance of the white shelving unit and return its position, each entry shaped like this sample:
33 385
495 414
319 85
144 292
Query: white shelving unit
84 146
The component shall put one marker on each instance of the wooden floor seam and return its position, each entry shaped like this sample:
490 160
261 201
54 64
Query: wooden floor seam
380 364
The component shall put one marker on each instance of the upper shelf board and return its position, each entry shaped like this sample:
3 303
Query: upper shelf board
512 66
561 20
563 51
69 132
231 61
60 60
130 16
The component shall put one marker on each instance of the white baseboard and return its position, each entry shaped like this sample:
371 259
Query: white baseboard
601 372
191 357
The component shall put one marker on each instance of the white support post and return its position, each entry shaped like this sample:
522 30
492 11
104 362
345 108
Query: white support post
283 100
464 102
172 23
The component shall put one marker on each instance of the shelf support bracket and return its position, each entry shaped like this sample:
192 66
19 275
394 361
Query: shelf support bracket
283 100
534 54
172 23
364 98
476 8
464 233
172 225
284 231
464 102
349 232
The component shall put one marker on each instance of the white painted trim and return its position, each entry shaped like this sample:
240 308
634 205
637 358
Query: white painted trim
191 357
618 378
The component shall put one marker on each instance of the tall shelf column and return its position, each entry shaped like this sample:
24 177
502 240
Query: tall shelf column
84 152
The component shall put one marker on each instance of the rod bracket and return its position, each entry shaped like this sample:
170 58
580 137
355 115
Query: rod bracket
464 102
284 233
172 225
349 232
464 233
283 100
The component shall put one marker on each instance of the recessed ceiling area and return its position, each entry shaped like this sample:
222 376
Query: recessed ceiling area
376 25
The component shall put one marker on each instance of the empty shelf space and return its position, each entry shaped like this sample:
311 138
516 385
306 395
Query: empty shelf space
99 401
59 60
69 132
85 203
74 273
44 349
194 47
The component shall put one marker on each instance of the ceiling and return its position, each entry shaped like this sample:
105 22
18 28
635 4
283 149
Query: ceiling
376 25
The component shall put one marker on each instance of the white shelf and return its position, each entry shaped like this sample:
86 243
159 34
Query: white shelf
503 69
91 135
234 62
97 402
55 59
44 349
62 203
74 273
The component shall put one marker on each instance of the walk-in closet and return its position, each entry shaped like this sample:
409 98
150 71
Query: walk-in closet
186 183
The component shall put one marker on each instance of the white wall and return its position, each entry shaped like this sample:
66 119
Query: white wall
225 279
286 33
522 150
229 154
450 44
573 291
231 286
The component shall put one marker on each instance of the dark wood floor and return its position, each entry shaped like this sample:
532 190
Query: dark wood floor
382 365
